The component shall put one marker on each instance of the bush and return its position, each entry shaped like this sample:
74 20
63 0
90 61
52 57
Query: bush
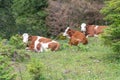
112 36
16 41
36 69
6 70
11 52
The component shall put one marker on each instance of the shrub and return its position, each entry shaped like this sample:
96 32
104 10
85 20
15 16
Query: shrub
11 52
6 70
16 41
36 69
112 36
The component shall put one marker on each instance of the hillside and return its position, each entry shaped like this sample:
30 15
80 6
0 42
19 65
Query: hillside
91 62
44 21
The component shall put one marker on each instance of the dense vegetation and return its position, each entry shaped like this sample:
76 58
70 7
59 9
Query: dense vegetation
64 13
49 18
112 15
30 16
7 21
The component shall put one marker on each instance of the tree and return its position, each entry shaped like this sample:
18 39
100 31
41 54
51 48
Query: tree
30 16
112 15
64 13
7 22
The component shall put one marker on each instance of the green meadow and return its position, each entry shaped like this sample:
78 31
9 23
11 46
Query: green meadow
93 61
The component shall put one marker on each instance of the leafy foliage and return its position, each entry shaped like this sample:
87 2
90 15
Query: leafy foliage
112 15
7 21
30 16
36 69
16 41
6 71
11 52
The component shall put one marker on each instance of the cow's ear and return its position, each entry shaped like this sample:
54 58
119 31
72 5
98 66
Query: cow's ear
20 36
30 37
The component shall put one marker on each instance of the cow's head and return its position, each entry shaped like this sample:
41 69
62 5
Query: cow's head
25 37
83 27
66 32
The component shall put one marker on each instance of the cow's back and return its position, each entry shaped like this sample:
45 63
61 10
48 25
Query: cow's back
79 37
100 29
47 43
45 40
90 30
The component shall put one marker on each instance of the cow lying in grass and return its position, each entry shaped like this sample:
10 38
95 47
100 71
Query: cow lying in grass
75 37
40 44
92 30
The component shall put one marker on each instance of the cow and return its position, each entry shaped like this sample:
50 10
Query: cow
92 30
75 37
39 43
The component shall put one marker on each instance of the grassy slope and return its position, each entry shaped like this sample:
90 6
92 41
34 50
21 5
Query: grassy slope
92 62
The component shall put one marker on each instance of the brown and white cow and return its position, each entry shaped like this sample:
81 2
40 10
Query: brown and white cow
92 30
40 44
75 37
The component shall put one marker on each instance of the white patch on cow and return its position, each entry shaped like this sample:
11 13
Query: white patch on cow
36 43
41 49
65 33
83 27
87 36
27 48
44 46
54 41
25 37
96 27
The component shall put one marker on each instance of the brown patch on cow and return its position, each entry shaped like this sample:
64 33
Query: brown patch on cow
31 41
100 29
53 46
74 41
38 46
31 47
91 31
32 38
44 40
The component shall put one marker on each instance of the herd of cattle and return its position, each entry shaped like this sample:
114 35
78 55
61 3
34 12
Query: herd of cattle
40 44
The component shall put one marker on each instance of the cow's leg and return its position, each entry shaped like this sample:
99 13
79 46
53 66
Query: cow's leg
70 42
95 35
88 35
27 48
41 49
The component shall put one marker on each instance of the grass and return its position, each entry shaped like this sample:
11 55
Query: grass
94 61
